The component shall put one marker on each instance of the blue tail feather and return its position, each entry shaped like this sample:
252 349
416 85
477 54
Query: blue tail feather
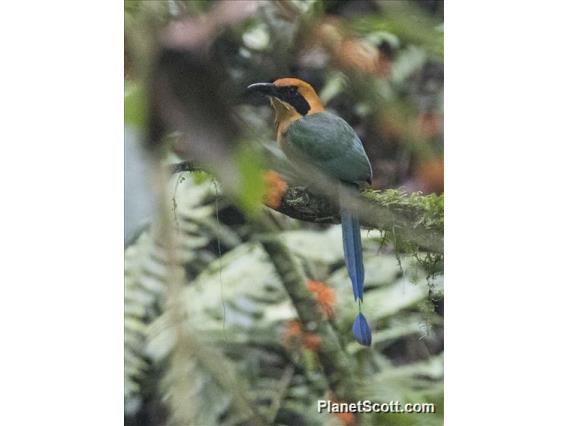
353 252
362 331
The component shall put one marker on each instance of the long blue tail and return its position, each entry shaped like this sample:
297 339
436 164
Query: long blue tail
353 252
354 261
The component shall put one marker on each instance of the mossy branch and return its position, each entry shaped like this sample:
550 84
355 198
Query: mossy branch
412 217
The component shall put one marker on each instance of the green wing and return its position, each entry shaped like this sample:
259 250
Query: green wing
328 142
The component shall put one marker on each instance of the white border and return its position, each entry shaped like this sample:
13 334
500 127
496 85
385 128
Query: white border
61 180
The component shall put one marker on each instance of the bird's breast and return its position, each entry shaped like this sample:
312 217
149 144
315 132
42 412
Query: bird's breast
281 134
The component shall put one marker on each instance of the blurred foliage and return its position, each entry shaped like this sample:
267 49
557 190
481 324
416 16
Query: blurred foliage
235 303
251 177
241 354
135 106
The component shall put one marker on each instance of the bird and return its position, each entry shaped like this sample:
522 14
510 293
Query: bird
306 131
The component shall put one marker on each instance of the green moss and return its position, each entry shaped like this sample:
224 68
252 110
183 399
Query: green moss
427 210
423 213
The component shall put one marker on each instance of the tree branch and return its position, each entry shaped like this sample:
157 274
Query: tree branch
413 217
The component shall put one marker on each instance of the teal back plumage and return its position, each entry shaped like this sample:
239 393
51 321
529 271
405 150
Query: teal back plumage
329 143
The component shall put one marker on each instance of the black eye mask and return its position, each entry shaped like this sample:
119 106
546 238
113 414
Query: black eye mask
290 95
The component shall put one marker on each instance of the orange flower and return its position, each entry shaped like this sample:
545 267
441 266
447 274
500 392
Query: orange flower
293 332
295 336
325 296
311 341
275 189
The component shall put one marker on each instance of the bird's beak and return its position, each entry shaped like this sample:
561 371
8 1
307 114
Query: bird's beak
267 89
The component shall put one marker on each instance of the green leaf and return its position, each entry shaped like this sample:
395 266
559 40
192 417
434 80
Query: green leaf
251 186
135 105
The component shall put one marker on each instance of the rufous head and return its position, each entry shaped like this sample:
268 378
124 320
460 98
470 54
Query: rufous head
290 95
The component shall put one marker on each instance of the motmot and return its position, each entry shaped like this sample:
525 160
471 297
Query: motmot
306 131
